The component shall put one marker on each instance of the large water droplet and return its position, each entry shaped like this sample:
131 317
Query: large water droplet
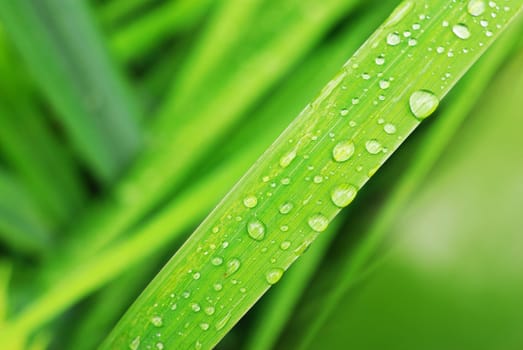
343 151
373 146
318 222
461 30
250 201
476 7
286 208
342 195
393 39
256 229
232 266
273 275
157 321
287 159
423 103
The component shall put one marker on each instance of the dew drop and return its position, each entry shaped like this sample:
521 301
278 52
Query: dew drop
389 128
196 275
393 39
318 222
344 112
157 321
461 31
256 229
217 261
373 146
343 151
250 201
160 346
273 275
342 195
209 310
318 179
285 245
195 307
135 343
204 326
287 159
384 84
233 265
286 208
380 60
476 7
423 103
218 287
221 323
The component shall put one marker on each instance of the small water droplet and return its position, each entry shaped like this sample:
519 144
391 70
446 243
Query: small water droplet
196 275
198 345
286 208
476 7
365 76
218 287
250 201
342 195
284 228
393 39
344 112
355 100
195 307
343 151
413 42
318 222
256 229
423 103
373 146
287 159
380 60
221 323
232 266
318 179
209 310
461 30
273 275
160 346
135 343
157 321
384 84
204 326
217 261
285 245
389 128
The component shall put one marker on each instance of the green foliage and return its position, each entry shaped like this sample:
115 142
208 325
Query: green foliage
126 122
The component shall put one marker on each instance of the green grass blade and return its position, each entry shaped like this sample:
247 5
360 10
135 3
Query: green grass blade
66 57
427 152
343 141
158 25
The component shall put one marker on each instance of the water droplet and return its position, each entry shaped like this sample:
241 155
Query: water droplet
218 287
232 266
380 60
318 179
355 100
217 261
221 323
318 222
209 310
413 42
423 103
204 326
287 159
135 343
461 31
286 208
196 275
284 228
384 84
195 307
285 245
273 275
250 201
373 146
256 229
365 76
393 39
343 151
476 7
389 128
198 345
160 346
157 321
344 112
342 195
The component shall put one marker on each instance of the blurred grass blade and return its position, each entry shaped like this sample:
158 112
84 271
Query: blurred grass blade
427 152
156 26
114 11
22 227
59 42
317 165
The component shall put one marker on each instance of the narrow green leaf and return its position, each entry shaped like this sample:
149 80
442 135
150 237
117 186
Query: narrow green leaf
65 55
317 165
